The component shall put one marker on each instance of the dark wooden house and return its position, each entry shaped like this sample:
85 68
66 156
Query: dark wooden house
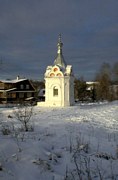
16 91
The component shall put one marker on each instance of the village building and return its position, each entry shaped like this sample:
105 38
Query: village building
59 82
16 91
91 85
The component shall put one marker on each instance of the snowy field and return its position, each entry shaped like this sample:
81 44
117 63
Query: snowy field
72 143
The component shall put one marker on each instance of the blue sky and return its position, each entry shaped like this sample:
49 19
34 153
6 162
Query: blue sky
29 32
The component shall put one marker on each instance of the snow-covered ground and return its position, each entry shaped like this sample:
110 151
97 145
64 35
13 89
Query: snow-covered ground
71 143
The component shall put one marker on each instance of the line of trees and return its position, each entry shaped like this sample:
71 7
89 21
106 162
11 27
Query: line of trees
104 88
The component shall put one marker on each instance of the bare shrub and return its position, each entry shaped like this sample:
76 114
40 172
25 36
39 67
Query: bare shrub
45 165
5 129
104 156
24 114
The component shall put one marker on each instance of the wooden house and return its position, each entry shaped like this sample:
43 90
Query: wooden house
16 91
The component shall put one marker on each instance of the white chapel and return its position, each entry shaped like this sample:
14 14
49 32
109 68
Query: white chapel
59 82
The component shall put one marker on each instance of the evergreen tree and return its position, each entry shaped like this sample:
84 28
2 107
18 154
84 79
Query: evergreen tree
104 80
115 72
80 89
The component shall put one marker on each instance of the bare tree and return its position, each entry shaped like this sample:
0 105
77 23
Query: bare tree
24 114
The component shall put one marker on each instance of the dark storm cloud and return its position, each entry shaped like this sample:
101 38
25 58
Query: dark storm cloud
29 30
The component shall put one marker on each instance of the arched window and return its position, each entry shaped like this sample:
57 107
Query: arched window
55 91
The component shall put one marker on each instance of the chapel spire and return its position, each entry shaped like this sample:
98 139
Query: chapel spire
59 45
60 59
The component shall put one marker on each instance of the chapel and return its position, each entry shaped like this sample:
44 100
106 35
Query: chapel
59 81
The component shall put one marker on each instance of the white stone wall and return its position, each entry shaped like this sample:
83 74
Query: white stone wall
65 91
51 83
64 83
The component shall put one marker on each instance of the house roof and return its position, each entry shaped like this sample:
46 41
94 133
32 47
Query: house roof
12 81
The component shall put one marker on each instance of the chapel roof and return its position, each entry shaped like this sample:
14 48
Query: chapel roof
60 58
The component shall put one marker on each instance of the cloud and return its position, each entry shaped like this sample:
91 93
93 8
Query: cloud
29 31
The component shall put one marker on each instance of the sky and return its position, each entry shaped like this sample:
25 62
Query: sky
29 31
